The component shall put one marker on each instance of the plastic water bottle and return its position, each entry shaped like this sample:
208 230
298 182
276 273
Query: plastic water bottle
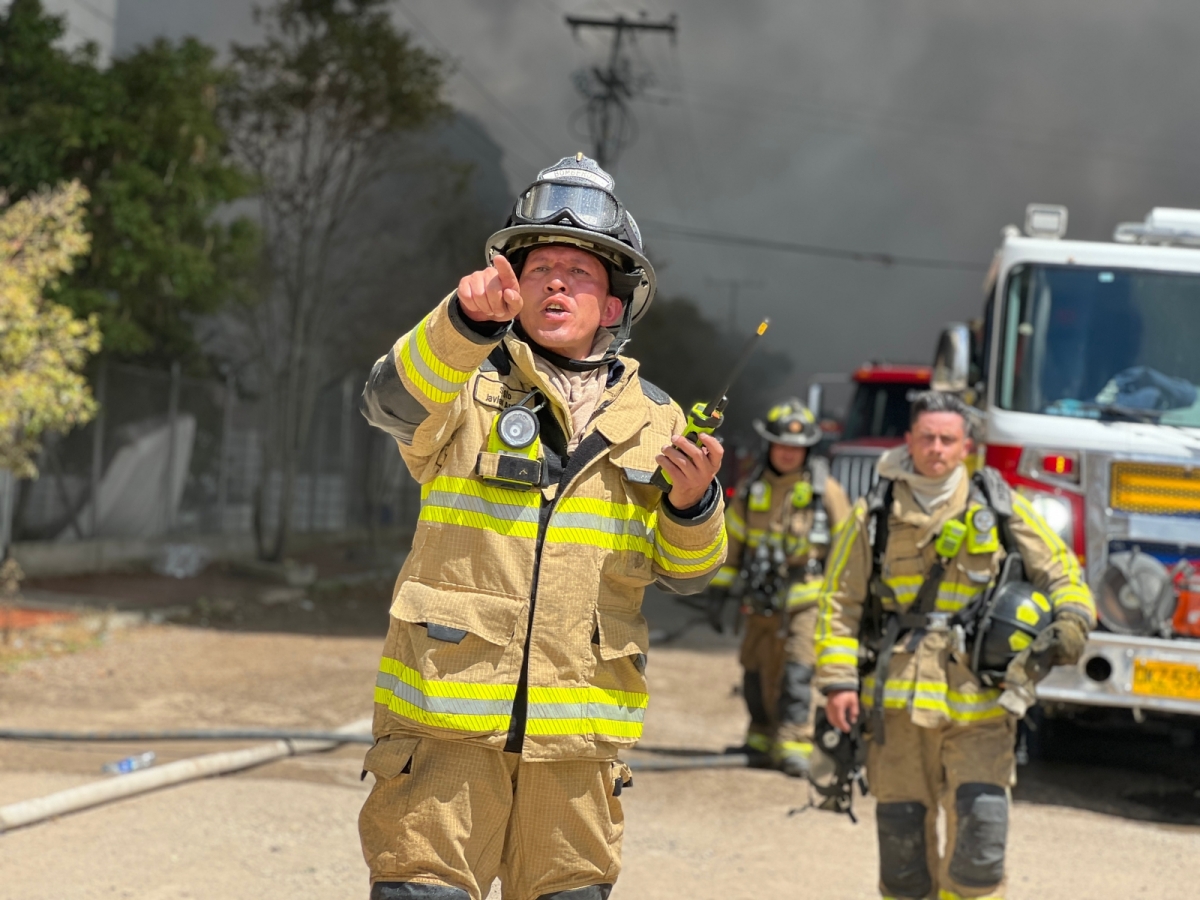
130 763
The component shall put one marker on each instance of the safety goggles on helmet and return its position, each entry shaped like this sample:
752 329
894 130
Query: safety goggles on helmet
584 206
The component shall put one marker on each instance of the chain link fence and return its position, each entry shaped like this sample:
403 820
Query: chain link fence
172 456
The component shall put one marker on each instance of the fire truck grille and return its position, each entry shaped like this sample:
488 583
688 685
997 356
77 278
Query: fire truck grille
1156 490
855 473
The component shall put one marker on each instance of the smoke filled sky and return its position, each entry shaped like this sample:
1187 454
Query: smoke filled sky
917 128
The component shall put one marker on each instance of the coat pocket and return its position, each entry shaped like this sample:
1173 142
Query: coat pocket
449 610
451 657
390 758
623 632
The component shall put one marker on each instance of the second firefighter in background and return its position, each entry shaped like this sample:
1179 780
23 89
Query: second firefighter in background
779 525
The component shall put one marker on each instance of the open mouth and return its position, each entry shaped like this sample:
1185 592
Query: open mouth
555 309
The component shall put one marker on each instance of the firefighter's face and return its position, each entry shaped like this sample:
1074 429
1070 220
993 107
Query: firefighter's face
565 299
938 443
785 459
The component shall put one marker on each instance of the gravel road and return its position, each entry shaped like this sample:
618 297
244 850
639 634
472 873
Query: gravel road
1124 825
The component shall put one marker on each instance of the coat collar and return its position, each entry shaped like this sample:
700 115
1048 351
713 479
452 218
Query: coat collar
906 509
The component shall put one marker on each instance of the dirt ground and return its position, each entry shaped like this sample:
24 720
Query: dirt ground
1124 824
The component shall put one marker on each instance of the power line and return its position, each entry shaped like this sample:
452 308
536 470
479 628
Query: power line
608 89
528 133
683 233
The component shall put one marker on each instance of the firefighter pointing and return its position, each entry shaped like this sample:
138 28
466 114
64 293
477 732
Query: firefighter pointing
514 666
947 587
779 528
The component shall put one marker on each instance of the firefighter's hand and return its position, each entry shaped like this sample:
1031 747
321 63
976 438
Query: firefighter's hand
492 294
1063 640
691 468
842 709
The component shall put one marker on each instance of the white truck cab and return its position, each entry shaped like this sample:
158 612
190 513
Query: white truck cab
1086 369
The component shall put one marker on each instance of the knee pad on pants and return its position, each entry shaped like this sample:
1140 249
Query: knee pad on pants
415 890
978 859
796 697
903 867
591 892
752 691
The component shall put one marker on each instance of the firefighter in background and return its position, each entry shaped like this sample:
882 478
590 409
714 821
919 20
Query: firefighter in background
514 667
779 526
908 579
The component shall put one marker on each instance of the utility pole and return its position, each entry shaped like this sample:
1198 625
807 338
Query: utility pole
735 286
608 90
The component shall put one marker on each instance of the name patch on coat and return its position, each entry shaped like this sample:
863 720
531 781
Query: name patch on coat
492 393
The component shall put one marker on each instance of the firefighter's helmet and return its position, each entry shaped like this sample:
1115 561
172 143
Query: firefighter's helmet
1012 617
790 423
573 202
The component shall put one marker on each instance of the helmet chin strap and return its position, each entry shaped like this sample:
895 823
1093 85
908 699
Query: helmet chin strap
582 365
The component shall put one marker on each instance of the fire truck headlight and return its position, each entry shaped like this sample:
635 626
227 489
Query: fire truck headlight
1057 513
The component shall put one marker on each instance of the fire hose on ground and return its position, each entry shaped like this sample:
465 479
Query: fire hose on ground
284 743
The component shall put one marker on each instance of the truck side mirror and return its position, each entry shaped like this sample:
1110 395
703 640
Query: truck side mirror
952 361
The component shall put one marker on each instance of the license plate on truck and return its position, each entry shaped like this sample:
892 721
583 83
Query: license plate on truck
1157 678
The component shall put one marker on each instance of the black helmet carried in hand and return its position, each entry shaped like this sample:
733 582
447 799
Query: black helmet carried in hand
790 423
1012 617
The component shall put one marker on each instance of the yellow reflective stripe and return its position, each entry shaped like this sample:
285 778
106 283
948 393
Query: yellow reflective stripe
455 705
754 536
601 523
589 726
935 696
1074 596
586 711
435 379
802 592
735 524
905 587
1060 553
724 577
837 651
954 895
676 559
802 748
843 540
953 596
473 504
759 742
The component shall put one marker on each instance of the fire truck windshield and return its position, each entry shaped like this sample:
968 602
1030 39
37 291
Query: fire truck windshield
1101 343
878 411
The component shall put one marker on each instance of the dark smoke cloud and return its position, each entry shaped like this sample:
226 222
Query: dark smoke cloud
916 127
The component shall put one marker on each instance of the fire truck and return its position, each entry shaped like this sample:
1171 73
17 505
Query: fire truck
876 420
1085 369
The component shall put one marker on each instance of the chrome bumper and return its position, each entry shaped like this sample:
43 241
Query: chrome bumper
1082 683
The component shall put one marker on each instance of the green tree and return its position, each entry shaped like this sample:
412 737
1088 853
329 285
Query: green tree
313 112
42 345
144 138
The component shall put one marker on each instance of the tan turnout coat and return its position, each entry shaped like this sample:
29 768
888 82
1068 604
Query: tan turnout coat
493 583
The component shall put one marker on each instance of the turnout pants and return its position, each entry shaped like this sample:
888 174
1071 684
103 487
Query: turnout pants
460 815
796 712
967 771
762 658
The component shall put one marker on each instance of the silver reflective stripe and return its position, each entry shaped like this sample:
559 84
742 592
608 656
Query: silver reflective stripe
587 711
470 503
450 705
418 361
606 524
